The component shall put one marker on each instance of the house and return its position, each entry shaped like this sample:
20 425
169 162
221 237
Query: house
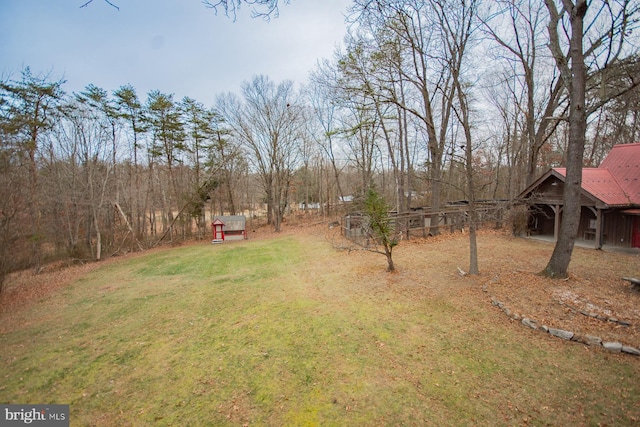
610 200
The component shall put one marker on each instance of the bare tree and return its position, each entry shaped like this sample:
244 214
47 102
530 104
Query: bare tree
88 180
268 124
261 8
106 1
130 111
419 62
14 203
325 108
616 121
607 29
457 24
225 164
518 29
165 121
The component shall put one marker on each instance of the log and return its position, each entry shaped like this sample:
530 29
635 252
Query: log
124 217
635 283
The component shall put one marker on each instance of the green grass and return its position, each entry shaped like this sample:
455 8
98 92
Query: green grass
281 332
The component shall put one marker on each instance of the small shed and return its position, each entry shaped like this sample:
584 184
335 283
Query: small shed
229 228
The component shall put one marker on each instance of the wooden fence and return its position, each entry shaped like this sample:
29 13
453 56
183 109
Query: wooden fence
418 223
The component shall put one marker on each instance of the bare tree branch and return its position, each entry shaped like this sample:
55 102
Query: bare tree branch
106 1
265 9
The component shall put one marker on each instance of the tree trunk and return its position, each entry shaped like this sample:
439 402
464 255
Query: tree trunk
34 204
575 80
390 266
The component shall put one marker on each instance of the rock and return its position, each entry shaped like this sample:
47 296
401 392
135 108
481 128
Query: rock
516 316
544 328
613 346
565 335
613 320
593 340
530 323
630 350
624 323
507 311
580 338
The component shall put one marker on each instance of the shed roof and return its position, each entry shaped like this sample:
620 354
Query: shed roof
232 222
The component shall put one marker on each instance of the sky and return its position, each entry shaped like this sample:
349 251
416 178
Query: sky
178 47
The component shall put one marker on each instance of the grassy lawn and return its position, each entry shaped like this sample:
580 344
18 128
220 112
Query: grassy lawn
289 332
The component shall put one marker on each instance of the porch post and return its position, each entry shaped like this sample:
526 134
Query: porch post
597 244
598 228
556 224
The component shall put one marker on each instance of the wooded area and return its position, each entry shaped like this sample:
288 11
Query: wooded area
428 102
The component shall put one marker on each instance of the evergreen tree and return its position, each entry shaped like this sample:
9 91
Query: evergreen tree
380 227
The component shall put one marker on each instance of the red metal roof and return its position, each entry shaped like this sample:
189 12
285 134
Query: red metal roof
601 184
623 161
617 181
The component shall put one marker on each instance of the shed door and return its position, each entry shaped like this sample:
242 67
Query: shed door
635 237
218 234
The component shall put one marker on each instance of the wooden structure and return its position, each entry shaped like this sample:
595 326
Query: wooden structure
229 228
454 216
610 200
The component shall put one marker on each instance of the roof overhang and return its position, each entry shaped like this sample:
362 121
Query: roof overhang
598 186
555 177
631 211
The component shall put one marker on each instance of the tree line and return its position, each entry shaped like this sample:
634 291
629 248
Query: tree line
428 102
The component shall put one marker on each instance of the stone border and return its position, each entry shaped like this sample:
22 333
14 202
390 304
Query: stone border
595 316
589 340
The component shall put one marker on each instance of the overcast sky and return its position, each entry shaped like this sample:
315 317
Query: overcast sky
175 46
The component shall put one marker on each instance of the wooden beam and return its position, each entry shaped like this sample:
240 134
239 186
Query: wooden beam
557 209
598 229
